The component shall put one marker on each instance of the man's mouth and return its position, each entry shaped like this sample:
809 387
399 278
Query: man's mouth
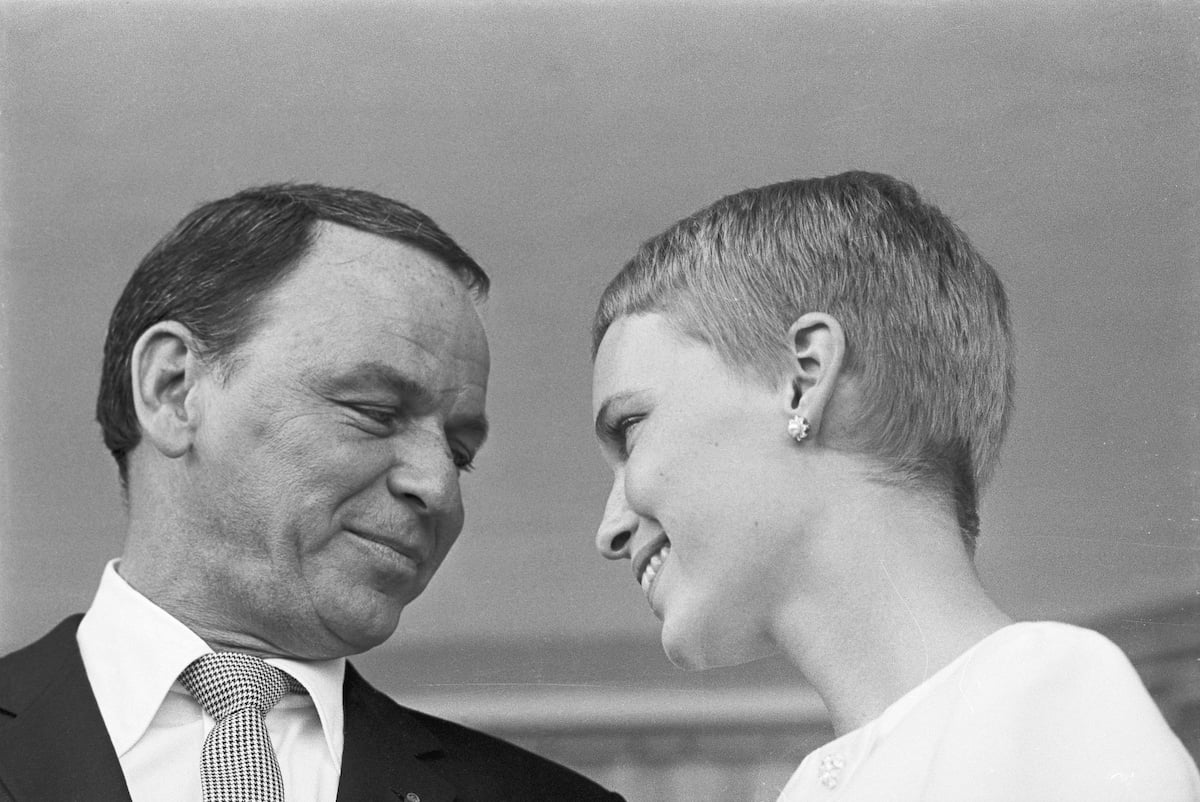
650 561
392 548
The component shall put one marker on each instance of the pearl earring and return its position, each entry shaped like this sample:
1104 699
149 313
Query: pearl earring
798 428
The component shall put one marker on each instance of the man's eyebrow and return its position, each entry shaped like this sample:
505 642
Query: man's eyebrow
378 374
476 425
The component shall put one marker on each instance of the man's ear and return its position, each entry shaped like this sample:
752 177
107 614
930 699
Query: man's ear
164 367
818 347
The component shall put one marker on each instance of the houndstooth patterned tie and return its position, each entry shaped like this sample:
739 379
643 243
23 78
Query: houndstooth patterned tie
237 763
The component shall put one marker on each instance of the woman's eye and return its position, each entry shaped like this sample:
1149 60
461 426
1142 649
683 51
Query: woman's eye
464 461
623 430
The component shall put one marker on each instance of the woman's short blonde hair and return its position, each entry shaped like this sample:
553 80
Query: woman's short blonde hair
925 316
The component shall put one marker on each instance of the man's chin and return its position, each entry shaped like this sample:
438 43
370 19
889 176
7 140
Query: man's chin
348 634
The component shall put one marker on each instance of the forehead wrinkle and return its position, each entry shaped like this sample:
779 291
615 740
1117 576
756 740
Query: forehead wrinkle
458 347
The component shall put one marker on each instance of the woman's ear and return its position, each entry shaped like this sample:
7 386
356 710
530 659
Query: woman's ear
818 348
164 367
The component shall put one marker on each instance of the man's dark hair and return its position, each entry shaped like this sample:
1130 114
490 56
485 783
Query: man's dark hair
213 270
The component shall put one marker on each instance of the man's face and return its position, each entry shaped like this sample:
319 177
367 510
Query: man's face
325 468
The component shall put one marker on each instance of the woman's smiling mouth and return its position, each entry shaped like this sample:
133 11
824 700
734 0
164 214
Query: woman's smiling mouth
650 561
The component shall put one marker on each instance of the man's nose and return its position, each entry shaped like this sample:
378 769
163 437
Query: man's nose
618 525
424 474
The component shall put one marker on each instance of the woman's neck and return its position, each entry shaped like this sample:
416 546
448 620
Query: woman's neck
885 598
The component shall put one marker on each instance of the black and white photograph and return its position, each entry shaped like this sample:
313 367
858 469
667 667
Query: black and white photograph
645 400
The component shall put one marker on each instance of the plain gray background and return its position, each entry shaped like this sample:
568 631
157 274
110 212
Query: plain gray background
550 141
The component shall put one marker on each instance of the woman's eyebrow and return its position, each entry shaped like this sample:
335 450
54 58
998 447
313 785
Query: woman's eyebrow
604 424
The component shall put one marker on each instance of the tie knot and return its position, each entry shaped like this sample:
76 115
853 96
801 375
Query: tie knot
225 682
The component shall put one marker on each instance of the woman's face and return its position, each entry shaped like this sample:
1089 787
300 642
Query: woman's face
705 499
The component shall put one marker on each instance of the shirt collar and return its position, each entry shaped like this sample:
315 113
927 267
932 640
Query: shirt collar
323 679
134 651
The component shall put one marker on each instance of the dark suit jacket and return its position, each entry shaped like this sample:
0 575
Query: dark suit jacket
54 746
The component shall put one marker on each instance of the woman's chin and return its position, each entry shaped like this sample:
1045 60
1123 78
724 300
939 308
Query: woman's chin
698 654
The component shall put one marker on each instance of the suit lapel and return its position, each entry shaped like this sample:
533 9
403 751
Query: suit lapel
386 752
54 745
53 742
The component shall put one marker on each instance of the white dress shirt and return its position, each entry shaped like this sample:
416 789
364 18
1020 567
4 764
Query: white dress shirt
1036 711
134 650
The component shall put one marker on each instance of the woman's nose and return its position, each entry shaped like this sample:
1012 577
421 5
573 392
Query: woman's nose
617 526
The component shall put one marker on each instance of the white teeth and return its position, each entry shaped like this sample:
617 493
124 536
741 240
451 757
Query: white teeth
647 578
653 566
